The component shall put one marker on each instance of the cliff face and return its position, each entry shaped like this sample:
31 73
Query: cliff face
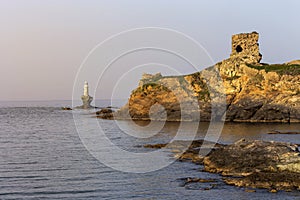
254 92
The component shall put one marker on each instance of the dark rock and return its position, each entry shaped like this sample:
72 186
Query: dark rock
249 190
254 164
155 146
278 113
257 164
246 157
193 183
200 180
185 150
283 132
269 180
244 109
66 108
105 113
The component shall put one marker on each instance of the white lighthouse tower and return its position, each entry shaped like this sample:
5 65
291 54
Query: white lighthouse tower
86 89
86 98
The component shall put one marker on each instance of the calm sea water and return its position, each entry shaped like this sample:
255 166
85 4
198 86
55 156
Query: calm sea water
42 157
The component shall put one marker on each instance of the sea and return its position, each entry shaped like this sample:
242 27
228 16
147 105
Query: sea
44 155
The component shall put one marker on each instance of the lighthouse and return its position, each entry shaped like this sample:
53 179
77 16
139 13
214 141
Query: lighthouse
86 98
86 89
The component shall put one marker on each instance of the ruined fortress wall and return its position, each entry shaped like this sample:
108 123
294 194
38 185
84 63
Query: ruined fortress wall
245 46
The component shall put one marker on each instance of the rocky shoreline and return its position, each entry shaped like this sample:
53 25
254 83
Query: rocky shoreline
246 163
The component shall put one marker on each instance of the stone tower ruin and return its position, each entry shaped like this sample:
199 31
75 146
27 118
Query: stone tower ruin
245 47
244 50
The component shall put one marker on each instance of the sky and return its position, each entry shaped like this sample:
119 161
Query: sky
43 44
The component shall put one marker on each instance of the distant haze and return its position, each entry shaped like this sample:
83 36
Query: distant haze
43 43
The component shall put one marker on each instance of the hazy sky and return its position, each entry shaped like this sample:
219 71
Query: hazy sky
43 43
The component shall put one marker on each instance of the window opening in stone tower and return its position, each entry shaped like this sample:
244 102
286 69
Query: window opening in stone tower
239 49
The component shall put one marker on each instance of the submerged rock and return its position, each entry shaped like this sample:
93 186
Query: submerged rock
194 183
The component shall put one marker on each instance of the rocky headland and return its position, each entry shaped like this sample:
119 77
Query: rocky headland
255 92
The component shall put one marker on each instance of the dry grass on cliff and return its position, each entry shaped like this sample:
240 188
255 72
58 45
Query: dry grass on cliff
281 69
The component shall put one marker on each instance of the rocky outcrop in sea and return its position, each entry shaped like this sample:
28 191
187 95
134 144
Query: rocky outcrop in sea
249 91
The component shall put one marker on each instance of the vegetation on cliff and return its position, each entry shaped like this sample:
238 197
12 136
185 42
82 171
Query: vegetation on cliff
281 69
